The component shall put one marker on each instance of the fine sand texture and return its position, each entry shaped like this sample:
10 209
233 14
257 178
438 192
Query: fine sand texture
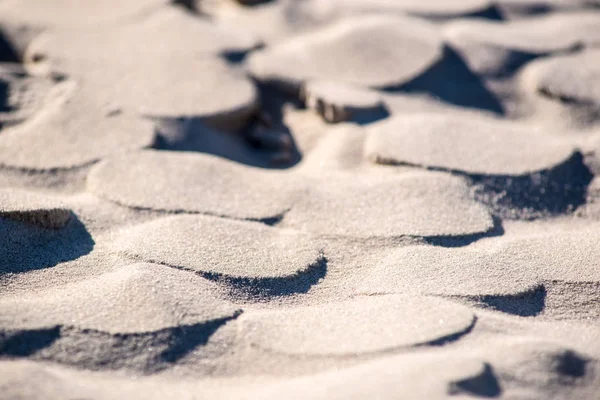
299 199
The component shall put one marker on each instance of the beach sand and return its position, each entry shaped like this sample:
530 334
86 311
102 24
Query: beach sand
299 199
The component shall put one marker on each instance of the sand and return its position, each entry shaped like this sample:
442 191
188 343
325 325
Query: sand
466 143
317 199
331 53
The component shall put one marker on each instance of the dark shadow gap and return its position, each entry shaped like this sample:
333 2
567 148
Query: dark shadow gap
92 349
551 192
260 144
491 12
546 193
25 247
485 384
450 80
465 240
451 338
264 288
529 303
24 343
571 365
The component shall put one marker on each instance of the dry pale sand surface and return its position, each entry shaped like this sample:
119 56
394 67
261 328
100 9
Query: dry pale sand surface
299 199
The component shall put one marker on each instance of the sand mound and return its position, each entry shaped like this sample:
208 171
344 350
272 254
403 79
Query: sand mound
337 102
43 211
166 31
333 53
338 149
499 48
74 13
363 325
400 205
65 135
184 79
475 145
192 182
158 297
141 317
437 9
570 79
393 374
221 247
492 267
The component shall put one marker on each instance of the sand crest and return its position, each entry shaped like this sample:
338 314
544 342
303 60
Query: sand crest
395 205
494 267
64 135
557 78
31 207
331 53
198 183
379 326
431 140
222 247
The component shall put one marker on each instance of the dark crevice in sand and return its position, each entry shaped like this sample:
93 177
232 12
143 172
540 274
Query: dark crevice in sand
270 117
8 53
27 343
71 180
465 240
450 80
529 303
148 352
546 193
194 134
485 384
444 340
260 288
25 247
512 62
570 365
4 106
265 288
48 171
491 12
189 5
550 192
565 99
270 220
50 219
